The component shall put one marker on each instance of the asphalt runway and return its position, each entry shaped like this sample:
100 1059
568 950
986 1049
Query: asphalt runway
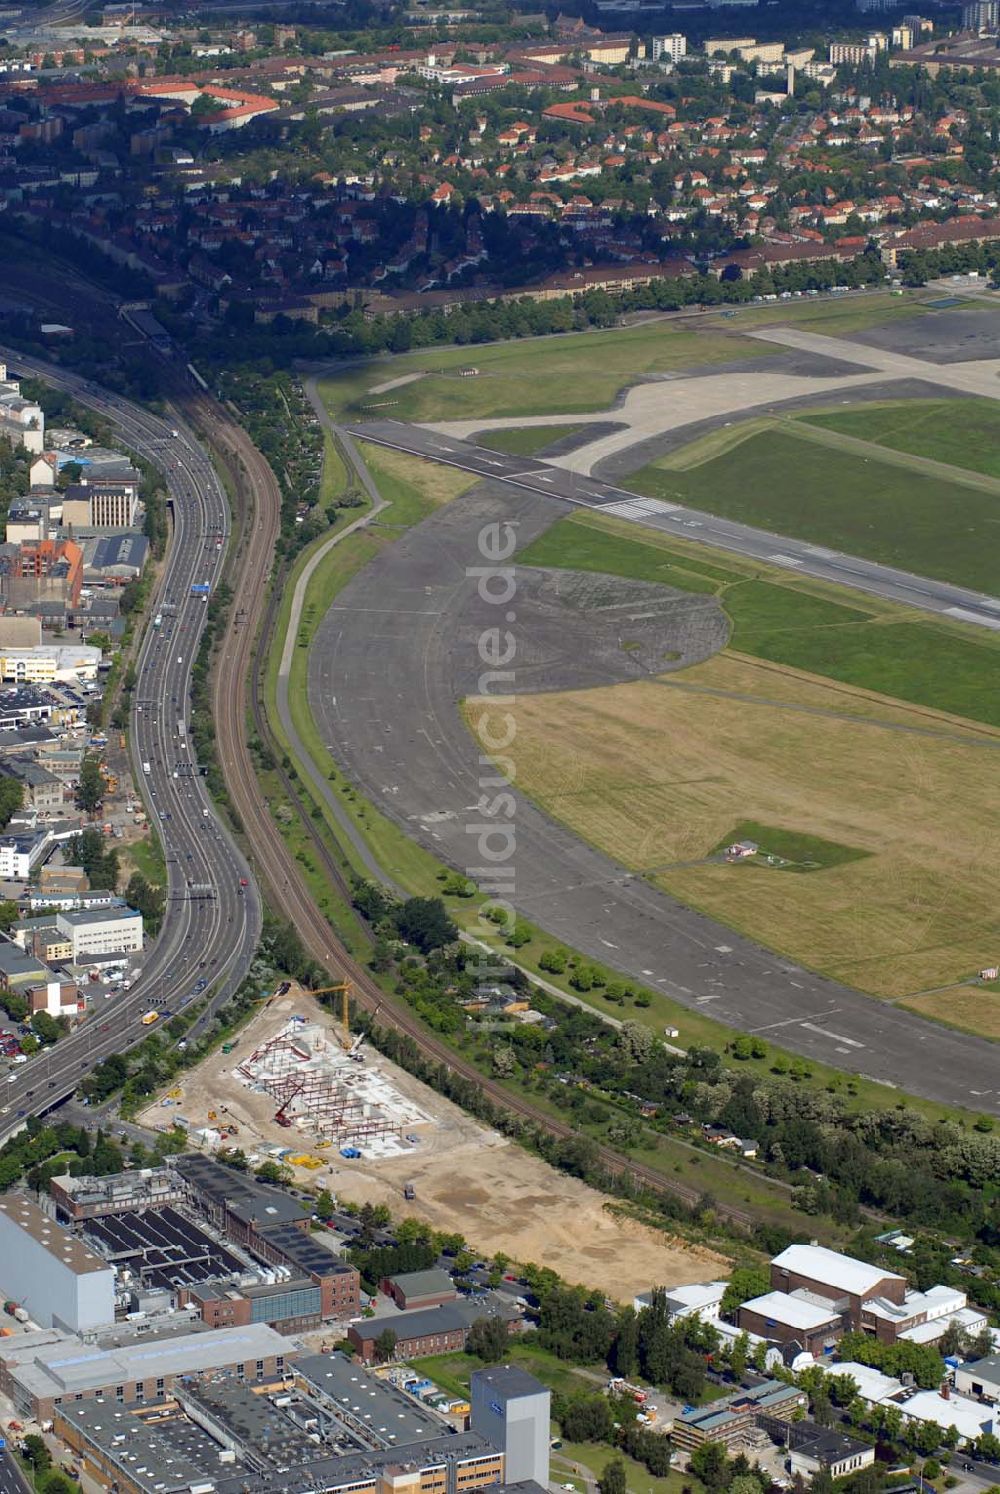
389 665
551 483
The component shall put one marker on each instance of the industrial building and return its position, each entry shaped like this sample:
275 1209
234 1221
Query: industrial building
50 1272
980 1378
411 1290
274 1228
251 1259
818 1294
432 1330
330 1426
41 1372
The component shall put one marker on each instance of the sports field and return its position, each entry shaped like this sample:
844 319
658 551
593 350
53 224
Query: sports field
538 376
964 432
792 480
659 773
789 620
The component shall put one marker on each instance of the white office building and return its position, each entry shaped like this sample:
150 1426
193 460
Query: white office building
100 932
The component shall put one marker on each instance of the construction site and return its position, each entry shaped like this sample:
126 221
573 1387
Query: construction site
454 1173
328 1093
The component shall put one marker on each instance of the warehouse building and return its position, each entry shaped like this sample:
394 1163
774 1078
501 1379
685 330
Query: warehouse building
50 1272
432 1330
812 1323
980 1378
842 1280
415 1289
42 1376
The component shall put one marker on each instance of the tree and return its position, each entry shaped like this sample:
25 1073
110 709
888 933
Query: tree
271 1172
745 1282
36 1453
11 799
424 922
46 1028
385 1346
709 1462
586 1418
614 1479
9 914
325 1206
635 1041
488 1340
90 789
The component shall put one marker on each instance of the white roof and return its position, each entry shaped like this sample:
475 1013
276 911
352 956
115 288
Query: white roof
831 1268
696 1295
970 1418
793 1312
969 1318
873 1386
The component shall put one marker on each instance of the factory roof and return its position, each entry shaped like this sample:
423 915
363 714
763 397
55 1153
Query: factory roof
507 1382
969 1418
253 1420
333 1474
305 1251
63 1247
423 1283
249 1201
68 1366
393 1418
831 1268
146 1456
873 1386
792 1311
87 917
826 1445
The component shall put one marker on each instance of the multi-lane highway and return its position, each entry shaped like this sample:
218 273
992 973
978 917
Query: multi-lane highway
532 474
213 921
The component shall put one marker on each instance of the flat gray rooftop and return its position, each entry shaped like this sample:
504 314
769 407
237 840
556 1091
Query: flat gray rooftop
390 1415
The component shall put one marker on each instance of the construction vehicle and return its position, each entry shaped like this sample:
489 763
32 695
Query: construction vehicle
354 1052
618 1386
212 1115
409 1191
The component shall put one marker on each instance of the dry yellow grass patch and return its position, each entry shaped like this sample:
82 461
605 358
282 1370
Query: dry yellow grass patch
432 480
976 1008
657 773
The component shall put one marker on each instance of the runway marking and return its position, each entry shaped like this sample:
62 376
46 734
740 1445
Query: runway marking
637 508
963 614
784 560
836 1037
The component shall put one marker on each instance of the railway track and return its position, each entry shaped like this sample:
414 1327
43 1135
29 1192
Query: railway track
243 647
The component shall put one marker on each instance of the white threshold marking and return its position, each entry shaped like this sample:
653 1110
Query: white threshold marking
963 614
836 1037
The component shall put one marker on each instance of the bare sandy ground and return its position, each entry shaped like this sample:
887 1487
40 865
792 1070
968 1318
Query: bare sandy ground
467 1178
